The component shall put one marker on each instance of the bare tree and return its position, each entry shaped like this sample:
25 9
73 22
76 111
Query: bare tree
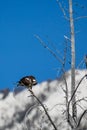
72 118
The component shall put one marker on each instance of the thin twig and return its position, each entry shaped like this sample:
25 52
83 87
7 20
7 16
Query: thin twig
63 11
82 99
55 48
67 38
81 17
82 62
28 111
81 107
65 54
79 100
45 46
77 87
68 46
63 70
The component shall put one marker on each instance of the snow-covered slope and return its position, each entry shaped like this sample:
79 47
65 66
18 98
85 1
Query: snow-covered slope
23 112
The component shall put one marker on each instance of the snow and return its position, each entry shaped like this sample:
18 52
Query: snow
22 112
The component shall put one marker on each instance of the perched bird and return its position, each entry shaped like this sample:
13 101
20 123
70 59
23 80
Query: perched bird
27 81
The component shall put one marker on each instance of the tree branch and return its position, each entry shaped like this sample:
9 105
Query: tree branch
63 11
44 109
81 117
45 46
81 17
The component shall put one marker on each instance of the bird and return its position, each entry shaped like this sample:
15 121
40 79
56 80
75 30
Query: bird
27 81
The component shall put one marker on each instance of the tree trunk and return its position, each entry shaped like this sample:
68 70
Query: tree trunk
74 108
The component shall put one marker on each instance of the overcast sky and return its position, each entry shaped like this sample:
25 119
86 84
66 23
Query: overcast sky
21 53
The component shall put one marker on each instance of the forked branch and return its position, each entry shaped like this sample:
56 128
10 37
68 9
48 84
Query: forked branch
63 11
74 95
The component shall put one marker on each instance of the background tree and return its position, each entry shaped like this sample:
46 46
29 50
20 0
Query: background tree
72 118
